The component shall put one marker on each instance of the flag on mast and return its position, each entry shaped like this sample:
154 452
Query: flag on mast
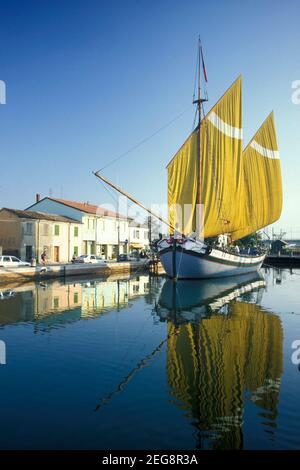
203 66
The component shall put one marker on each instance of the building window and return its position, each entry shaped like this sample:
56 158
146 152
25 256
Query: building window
136 234
75 297
75 231
91 223
56 302
56 230
45 229
28 228
76 250
102 225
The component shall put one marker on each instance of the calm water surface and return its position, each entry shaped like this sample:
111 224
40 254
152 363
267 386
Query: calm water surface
146 363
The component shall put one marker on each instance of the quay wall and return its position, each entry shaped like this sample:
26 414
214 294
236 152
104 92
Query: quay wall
54 271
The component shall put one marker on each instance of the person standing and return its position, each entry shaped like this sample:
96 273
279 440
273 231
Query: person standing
44 257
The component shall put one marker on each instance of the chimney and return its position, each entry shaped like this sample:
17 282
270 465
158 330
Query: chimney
37 197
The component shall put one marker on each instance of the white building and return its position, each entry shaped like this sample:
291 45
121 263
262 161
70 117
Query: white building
103 231
27 234
138 236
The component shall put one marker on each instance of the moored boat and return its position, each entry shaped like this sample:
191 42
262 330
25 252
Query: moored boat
192 259
218 194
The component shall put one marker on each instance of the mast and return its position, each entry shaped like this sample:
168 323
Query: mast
199 102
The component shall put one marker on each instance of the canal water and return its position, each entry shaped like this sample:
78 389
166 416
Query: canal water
146 363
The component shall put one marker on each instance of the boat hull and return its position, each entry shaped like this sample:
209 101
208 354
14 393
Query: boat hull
188 264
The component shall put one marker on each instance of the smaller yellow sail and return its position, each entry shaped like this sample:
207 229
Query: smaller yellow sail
262 175
182 185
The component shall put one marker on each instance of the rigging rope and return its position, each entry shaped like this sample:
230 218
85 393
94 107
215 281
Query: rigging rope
144 140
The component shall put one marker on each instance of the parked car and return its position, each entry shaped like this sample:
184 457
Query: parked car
7 294
12 262
92 259
123 257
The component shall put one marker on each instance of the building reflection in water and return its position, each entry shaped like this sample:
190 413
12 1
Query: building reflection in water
56 303
223 349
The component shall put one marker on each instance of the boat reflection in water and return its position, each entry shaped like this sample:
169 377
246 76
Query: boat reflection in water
224 353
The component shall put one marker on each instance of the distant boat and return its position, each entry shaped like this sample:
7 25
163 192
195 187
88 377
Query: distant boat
240 191
219 193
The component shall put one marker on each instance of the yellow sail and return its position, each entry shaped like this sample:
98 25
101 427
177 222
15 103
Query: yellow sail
220 170
263 186
182 185
221 164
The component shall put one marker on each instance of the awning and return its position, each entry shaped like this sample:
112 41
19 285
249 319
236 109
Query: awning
136 245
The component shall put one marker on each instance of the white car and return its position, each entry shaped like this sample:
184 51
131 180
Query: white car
12 262
7 294
92 259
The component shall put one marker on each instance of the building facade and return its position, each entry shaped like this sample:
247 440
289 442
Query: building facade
104 233
27 234
138 236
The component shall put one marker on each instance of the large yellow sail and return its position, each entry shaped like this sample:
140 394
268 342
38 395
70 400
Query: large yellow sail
219 164
262 174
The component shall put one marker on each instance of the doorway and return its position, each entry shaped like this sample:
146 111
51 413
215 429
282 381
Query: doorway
56 254
28 253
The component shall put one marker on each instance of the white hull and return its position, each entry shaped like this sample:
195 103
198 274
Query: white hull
193 260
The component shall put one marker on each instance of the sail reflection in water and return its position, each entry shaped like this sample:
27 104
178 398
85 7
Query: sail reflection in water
223 350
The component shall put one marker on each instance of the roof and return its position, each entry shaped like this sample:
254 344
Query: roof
87 207
39 215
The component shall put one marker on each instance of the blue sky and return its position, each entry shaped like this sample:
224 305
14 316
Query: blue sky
87 80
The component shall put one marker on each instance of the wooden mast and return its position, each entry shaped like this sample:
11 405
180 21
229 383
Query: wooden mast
199 102
199 126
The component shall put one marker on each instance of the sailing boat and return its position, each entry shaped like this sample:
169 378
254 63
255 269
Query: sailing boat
218 193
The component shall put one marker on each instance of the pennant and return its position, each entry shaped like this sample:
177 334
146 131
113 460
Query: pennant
203 65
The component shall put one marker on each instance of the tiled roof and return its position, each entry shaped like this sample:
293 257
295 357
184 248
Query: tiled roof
39 215
88 208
